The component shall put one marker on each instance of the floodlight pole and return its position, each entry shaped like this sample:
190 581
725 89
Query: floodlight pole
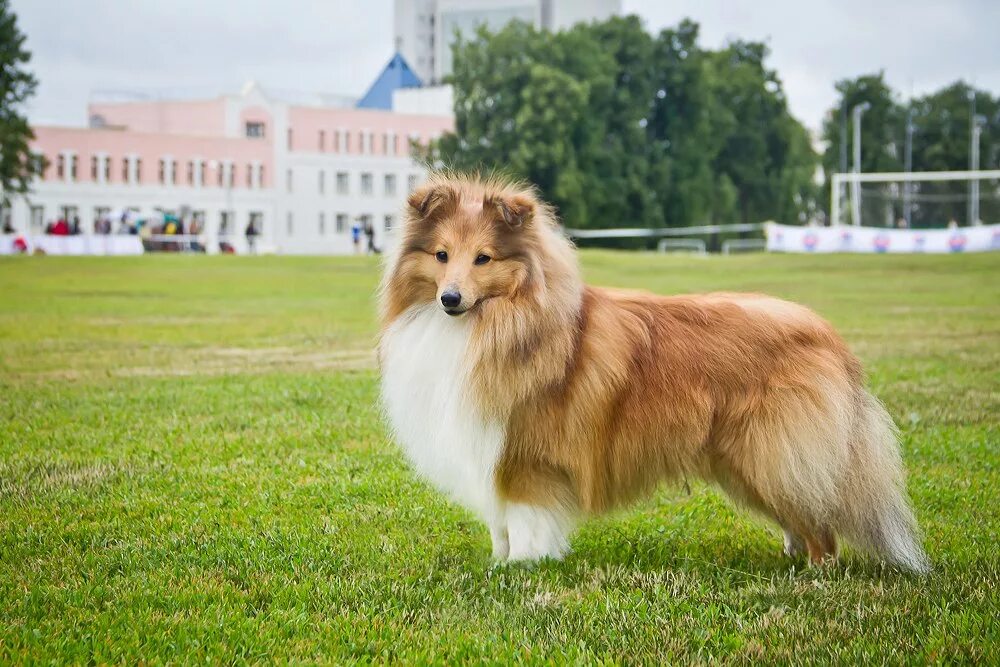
971 96
977 129
858 110
908 167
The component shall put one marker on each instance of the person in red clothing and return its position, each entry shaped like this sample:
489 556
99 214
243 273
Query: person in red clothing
61 228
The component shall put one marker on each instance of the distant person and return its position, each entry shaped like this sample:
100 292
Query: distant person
953 224
61 228
902 223
7 227
370 235
356 236
252 233
74 230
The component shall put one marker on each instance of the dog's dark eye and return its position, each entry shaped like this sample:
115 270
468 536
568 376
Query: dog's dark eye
482 259
441 256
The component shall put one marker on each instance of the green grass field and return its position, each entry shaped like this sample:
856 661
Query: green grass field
193 468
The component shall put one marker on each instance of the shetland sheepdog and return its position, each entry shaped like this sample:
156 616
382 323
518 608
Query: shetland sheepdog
535 400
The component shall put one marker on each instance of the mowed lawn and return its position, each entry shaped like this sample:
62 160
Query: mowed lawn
193 468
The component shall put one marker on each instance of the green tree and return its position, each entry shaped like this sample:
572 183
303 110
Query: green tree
882 129
16 85
621 128
942 124
681 136
765 154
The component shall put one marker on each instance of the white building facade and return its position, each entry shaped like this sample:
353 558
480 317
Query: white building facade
425 29
301 176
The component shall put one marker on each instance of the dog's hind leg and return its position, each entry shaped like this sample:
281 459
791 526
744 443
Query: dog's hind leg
822 546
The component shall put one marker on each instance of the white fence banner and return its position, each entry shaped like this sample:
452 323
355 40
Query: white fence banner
788 238
84 244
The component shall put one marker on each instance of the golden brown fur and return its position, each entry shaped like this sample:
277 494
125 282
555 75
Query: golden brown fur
605 393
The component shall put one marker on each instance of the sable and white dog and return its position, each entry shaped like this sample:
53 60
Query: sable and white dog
535 400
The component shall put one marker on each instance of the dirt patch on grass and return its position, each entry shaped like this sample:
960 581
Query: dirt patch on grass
27 479
226 360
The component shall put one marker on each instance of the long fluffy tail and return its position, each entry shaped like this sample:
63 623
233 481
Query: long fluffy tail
876 514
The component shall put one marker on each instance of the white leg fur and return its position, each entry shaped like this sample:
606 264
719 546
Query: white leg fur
537 532
793 545
501 543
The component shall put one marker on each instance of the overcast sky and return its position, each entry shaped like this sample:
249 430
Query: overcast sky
207 47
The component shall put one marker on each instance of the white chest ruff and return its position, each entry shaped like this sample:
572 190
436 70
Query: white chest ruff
431 409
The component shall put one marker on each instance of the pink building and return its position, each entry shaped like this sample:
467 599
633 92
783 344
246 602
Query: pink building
301 175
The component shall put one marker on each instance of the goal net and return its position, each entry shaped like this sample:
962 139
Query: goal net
916 200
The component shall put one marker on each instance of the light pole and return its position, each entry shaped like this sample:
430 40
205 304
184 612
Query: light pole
978 122
973 184
858 110
908 168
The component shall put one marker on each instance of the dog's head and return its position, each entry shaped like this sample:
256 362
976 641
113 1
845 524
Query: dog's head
465 241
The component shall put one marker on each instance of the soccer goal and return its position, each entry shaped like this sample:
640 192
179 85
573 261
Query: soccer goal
924 200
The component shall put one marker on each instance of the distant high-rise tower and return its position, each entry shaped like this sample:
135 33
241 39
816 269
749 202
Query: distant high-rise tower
425 28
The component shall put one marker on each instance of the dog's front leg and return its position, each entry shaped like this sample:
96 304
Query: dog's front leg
537 532
497 521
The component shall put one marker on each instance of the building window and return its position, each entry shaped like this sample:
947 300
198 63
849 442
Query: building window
138 170
61 166
289 138
322 181
190 172
256 224
322 223
388 223
125 161
347 142
37 219
342 183
341 223
163 171
201 173
72 167
102 225
225 223
366 183
260 175
390 185
411 182
366 221
288 223
38 165
107 169
255 130
94 160
337 138
288 180
322 141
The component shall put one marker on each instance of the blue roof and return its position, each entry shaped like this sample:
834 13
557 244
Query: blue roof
397 74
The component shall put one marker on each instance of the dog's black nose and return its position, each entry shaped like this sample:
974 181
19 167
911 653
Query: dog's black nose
451 299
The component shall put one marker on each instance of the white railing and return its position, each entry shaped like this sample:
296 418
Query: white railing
633 232
697 246
743 244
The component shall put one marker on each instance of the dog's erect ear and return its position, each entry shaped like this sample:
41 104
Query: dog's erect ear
515 210
428 200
